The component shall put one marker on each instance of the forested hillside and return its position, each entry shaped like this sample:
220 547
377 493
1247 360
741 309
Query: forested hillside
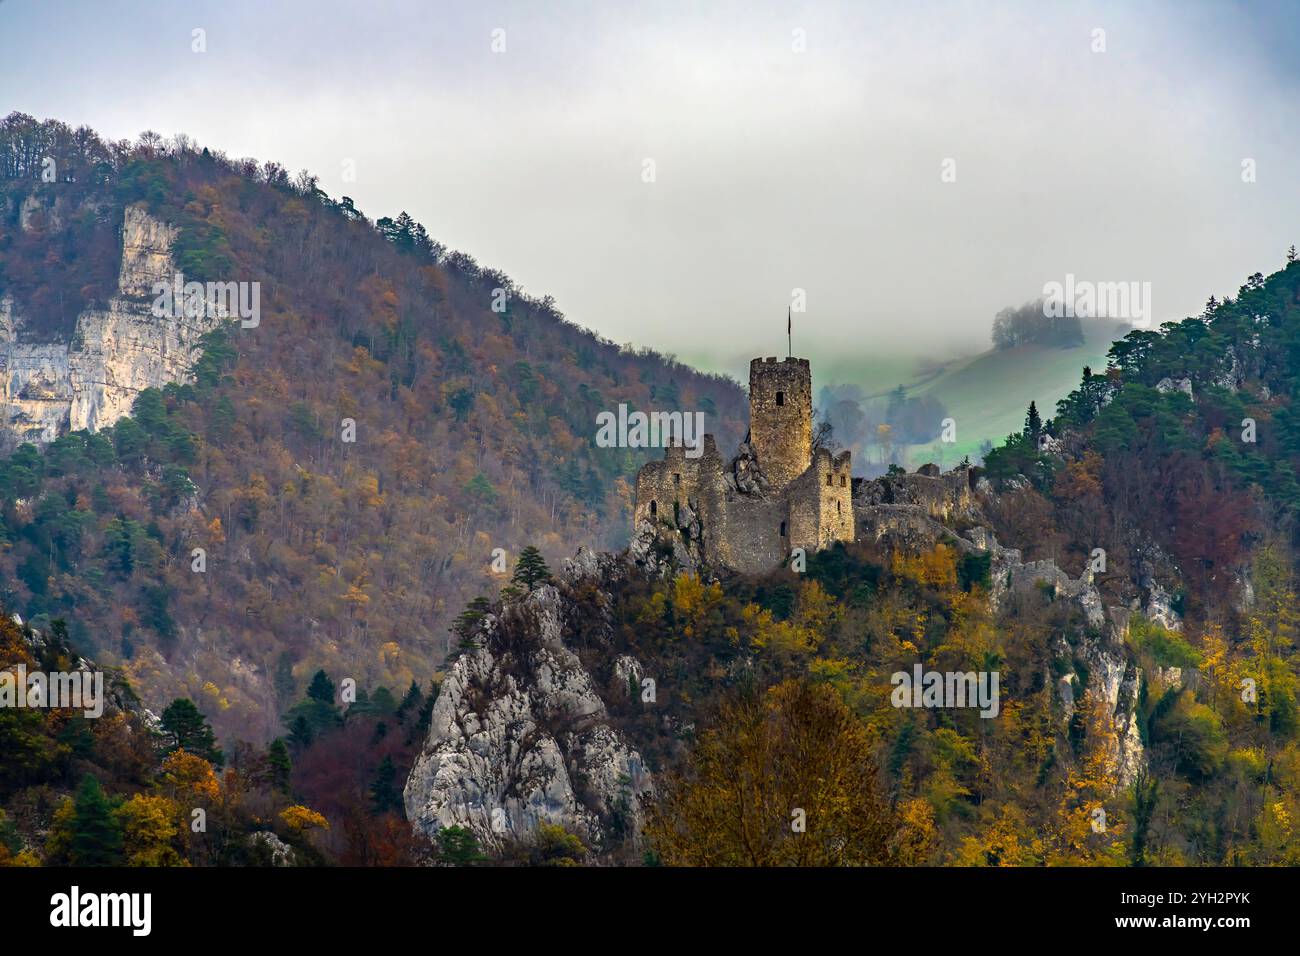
1147 645
473 430
1144 633
1187 442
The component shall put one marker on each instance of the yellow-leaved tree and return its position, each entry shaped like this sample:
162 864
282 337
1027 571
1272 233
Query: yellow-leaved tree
783 778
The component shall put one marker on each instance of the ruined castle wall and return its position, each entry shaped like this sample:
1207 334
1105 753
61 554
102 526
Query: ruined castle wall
780 418
943 497
804 509
804 502
676 480
745 533
834 497
821 503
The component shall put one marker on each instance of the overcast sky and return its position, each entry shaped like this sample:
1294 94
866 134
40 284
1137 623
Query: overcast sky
774 169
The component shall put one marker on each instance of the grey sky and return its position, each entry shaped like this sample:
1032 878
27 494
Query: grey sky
774 169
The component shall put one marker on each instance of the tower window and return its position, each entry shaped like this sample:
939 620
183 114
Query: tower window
677 478
654 508
780 398
783 529
842 481
838 509
828 480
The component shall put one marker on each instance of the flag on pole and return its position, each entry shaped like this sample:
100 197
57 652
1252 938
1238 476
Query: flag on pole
789 332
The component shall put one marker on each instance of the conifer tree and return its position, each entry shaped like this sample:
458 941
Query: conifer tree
384 793
1033 423
277 758
531 569
411 702
190 730
321 688
96 833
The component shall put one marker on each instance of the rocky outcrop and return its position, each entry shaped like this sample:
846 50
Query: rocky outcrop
119 697
669 544
519 736
745 474
276 852
91 380
904 526
1183 385
1113 679
909 512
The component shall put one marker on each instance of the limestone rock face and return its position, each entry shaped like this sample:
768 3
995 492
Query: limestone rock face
745 474
90 381
1183 385
146 252
1159 607
660 554
908 512
519 736
278 852
1116 681
1113 681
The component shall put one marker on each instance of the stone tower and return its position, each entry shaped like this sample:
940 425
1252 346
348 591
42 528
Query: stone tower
780 418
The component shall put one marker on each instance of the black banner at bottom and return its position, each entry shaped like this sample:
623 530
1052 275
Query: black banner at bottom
143 907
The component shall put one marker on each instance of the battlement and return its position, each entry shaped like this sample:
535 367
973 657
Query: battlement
834 470
780 417
678 450
805 501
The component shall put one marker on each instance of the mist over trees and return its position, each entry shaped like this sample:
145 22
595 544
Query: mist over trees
879 428
1030 325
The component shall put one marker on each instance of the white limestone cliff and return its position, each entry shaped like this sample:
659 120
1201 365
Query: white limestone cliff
91 380
519 736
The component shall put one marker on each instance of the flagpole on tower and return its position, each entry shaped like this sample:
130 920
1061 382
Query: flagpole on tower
789 332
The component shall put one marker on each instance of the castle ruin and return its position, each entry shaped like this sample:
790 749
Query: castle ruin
750 513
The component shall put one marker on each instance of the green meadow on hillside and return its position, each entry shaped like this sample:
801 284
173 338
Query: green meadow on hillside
987 394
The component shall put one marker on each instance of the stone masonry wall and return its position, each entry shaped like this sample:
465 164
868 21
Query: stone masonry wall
781 433
834 497
798 501
676 479
744 533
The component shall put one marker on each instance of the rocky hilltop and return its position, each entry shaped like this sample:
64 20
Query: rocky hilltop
520 736
521 733
912 512
90 380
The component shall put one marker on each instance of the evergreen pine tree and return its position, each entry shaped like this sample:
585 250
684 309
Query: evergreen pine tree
1033 423
531 569
412 700
321 688
301 734
384 793
96 833
189 730
277 758
459 846
467 621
